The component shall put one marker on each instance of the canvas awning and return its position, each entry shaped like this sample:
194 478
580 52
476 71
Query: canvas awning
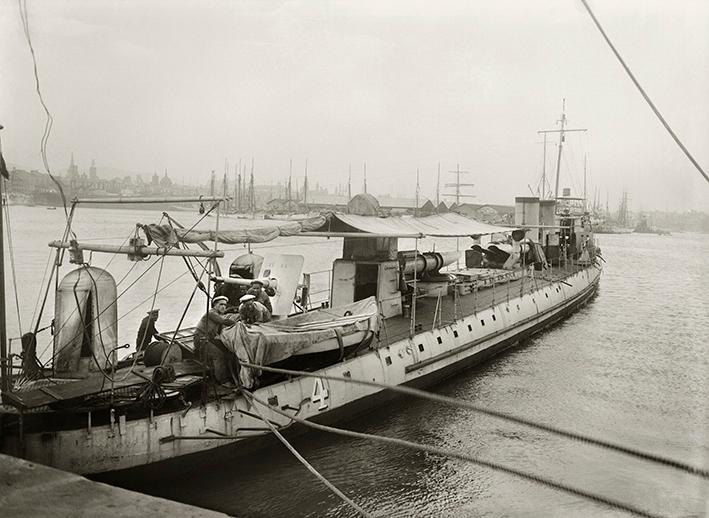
439 225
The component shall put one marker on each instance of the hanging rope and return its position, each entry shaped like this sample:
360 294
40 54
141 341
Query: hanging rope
305 463
642 92
50 120
701 472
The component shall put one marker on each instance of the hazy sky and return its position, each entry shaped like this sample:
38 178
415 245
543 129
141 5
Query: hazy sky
145 86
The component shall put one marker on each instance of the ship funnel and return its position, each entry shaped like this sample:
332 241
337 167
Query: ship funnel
85 317
527 213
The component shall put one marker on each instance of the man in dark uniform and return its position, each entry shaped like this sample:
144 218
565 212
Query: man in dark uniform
207 346
262 295
147 331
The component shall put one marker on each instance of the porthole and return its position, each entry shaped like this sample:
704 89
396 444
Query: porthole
494 318
421 347
455 334
387 359
482 322
440 340
470 328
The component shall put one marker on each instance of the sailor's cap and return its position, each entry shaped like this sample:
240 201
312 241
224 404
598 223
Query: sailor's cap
153 312
217 300
257 281
247 298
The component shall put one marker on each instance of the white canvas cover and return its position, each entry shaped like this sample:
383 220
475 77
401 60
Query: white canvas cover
439 225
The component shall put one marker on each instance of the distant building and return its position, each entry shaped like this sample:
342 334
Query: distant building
487 213
73 170
165 183
92 171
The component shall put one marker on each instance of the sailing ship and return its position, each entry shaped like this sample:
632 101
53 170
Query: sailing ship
395 317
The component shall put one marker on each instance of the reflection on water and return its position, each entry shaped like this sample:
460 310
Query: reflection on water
631 367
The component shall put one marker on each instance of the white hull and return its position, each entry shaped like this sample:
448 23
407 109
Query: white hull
426 356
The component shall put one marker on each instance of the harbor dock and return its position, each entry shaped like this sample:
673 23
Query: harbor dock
30 489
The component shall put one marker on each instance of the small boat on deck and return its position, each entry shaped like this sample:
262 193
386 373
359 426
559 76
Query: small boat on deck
397 317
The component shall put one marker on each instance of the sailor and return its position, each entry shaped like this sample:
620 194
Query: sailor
207 346
233 292
262 295
252 311
147 331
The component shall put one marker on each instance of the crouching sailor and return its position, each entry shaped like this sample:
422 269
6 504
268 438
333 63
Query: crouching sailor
252 311
207 346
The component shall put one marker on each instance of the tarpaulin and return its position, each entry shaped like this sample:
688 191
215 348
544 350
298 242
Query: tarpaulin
264 344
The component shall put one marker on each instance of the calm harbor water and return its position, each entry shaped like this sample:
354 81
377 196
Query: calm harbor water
632 367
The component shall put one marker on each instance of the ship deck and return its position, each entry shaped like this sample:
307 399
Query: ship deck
432 312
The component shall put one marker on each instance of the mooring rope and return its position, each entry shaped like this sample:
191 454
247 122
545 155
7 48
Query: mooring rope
469 458
303 461
701 472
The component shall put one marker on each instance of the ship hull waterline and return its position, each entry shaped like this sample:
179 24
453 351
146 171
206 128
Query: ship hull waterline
138 449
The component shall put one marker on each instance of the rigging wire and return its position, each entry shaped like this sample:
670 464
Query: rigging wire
11 249
57 331
305 463
701 472
50 120
41 285
97 316
135 356
169 247
55 268
460 456
642 92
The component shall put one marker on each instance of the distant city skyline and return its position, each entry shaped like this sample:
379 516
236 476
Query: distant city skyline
401 86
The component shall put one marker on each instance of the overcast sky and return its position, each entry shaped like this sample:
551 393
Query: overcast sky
182 86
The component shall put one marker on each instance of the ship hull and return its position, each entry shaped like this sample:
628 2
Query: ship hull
178 441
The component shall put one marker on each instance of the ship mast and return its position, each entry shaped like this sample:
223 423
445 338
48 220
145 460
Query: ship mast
4 371
561 133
